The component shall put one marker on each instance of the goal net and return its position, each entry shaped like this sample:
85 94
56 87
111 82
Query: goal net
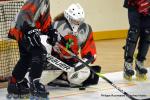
9 53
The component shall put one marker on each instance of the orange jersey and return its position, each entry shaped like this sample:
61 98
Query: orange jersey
36 13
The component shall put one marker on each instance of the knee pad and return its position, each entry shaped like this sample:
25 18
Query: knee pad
131 41
147 35
49 75
37 59
79 77
38 56
133 35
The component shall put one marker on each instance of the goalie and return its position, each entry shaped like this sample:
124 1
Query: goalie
77 35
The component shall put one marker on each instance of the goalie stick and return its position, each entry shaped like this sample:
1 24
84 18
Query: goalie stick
59 64
100 75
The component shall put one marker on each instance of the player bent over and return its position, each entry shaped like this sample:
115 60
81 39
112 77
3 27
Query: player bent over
77 36
139 21
32 20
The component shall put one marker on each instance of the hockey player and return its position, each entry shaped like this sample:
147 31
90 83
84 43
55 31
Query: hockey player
77 35
139 21
32 20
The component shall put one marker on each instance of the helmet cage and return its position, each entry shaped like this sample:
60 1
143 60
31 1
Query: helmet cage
75 16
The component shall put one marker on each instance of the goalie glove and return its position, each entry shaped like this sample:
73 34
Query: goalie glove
32 35
80 65
87 60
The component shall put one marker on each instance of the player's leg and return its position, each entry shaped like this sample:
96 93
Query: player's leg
143 48
37 89
60 81
81 78
17 89
16 84
131 41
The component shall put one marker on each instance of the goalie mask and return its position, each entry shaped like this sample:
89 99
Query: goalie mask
75 16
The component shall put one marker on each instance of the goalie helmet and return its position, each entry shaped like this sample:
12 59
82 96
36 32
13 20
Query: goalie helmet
75 16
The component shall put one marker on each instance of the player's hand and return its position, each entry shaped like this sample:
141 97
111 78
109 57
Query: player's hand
32 35
80 65
53 36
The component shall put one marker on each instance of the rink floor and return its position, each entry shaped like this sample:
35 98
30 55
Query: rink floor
102 91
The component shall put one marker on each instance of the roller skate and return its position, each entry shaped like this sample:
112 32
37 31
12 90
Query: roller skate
128 71
17 90
38 91
140 71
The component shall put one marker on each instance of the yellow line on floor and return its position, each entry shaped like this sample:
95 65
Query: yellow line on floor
112 34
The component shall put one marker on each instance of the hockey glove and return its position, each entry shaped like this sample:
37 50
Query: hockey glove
32 35
53 36
87 60
79 64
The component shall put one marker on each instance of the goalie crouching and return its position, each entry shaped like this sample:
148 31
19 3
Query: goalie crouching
77 36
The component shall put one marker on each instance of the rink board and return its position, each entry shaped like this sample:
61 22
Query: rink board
102 91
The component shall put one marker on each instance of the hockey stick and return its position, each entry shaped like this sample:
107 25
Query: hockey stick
59 64
100 75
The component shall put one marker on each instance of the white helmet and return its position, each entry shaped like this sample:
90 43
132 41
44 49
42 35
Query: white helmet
75 16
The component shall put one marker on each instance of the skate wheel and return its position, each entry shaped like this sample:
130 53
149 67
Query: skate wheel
45 98
9 96
26 96
15 96
126 77
32 98
38 98
141 77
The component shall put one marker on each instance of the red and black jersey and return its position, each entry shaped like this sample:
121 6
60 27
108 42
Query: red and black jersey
142 6
80 42
36 13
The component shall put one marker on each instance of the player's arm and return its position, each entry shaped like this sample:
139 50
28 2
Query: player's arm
143 6
53 35
29 15
130 3
26 15
88 49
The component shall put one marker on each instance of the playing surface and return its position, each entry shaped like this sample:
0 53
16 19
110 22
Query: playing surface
102 91
110 57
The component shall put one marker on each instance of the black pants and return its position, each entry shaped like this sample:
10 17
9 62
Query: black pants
139 31
30 57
